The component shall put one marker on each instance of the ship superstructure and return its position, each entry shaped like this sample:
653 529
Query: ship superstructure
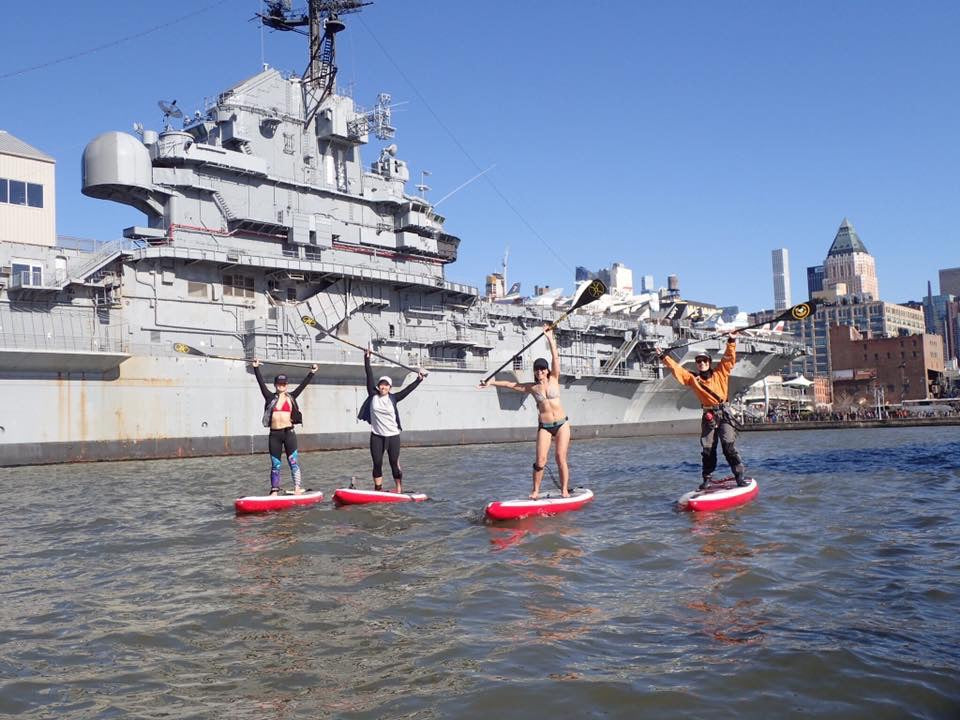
259 213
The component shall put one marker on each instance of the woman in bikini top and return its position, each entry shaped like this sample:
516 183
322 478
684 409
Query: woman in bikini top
552 421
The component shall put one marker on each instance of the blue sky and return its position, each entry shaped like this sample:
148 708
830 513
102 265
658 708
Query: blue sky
687 138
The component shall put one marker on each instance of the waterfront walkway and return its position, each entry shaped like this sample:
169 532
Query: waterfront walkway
842 424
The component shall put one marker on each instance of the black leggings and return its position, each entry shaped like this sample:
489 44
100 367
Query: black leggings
379 443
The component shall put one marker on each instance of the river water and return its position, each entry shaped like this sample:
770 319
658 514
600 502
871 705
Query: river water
132 589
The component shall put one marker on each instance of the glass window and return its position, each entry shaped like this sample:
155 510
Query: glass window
18 192
3 190
34 195
28 273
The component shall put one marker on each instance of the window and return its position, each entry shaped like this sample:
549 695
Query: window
518 363
27 272
237 286
18 192
34 195
393 331
197 289
292 294
3 190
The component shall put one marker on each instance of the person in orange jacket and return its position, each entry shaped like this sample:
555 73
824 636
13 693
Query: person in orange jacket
709 384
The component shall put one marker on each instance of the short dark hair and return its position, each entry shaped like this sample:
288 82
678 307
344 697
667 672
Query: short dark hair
541 364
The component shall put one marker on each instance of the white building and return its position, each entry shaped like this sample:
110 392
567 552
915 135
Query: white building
27 193
781 279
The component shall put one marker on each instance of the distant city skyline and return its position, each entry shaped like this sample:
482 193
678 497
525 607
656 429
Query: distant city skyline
723 127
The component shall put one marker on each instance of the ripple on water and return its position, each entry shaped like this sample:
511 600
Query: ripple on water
834 594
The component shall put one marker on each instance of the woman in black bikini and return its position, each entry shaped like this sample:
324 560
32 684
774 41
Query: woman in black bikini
545 389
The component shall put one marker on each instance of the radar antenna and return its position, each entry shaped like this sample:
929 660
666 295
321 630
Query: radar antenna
323 18
170 110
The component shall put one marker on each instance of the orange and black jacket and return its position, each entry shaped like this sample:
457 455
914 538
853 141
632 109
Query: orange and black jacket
711 391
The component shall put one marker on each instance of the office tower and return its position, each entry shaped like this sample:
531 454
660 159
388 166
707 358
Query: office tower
781 279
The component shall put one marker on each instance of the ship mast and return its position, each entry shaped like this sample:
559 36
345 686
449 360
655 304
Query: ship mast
323 19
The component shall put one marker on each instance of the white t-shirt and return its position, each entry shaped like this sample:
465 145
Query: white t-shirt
383 417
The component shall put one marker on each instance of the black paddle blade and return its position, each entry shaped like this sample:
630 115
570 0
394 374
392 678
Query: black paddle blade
186 349
799 312
591 292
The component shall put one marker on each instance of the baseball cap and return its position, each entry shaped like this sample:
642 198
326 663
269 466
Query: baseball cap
280 380
704 356
541 364
385 379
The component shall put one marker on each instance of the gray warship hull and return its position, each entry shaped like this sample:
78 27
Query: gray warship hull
259 213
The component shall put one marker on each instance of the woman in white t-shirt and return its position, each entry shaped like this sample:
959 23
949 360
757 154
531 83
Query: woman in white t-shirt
380 410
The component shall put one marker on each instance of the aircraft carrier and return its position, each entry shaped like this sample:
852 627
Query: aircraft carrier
259 212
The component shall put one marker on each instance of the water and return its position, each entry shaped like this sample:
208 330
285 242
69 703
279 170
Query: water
132 590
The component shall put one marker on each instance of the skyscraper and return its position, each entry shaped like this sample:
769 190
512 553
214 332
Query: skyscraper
950 281
814 279
849 268
781 279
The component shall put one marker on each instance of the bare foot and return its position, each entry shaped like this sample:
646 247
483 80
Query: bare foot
534 495
298 491
565 493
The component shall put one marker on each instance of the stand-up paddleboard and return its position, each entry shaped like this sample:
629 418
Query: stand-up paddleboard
265 503
548 504
720 495
354 496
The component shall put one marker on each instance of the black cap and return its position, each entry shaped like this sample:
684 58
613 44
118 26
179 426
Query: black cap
280 380
541 364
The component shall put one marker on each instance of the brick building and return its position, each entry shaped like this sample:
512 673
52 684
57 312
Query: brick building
908 367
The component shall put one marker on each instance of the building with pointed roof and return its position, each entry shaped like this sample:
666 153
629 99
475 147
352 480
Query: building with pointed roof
849 268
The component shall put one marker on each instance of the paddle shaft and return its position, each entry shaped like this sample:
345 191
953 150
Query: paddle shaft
520 351
201 353
359 347
793 314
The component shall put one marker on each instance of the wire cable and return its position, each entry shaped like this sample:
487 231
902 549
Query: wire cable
112 43
466 153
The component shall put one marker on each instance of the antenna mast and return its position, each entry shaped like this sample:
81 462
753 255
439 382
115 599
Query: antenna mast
323 19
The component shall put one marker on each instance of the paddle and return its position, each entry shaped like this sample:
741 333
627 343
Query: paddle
797 312
185 349
310 322
591 292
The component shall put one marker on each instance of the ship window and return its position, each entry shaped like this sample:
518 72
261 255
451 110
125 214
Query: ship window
197 289
28 273
518 363
291 294
393 331
3 190
238 286
18 192
34 195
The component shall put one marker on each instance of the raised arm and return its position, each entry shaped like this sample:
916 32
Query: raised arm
306 381
554 353
729 359
508 384
263 386
684 377
371 387
401 394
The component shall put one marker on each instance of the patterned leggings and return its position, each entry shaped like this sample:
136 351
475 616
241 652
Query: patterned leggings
281 440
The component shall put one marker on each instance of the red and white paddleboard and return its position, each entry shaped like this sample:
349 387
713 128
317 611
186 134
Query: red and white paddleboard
353 496
548 504
265 503
721 494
